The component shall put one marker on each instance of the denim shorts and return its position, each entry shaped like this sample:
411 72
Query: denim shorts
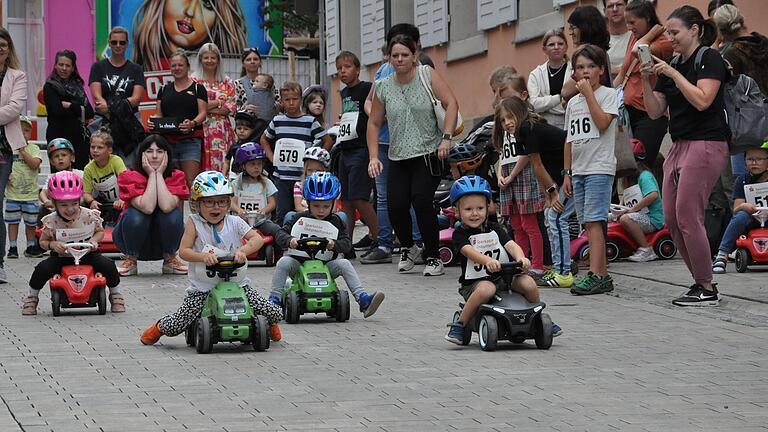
189 149
592 196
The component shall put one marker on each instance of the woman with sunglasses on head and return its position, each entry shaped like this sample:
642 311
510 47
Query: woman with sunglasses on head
152 221
13 97
546 81
250 95
115 78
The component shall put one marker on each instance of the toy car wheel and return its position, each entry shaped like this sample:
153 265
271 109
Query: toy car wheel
488 332
665 248
204 342
269 255
56 302
612 251
291 307
190 334
446 255
742 260
342 306
543 331
583 253
101 302
260 339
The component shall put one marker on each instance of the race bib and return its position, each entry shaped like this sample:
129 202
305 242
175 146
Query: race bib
581 126
348 126
508 155
632 196
75 235
757 194
487 244
251 201
289 153
202 274
308 227
107 188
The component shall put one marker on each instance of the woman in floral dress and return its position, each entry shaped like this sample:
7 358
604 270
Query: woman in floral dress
219 133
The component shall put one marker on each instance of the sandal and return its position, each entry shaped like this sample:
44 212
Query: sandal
118 302
718 266
29 307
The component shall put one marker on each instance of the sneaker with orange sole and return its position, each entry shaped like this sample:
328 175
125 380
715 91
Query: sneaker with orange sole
174 266
128 267
151 334
274 332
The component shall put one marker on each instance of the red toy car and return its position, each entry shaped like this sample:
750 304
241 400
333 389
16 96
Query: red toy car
753 247
77 286
267 252
621 245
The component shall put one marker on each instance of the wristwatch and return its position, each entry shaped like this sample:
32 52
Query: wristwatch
447 136
566 172
551 189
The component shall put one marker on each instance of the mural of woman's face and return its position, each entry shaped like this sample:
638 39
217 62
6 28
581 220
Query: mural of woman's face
187 22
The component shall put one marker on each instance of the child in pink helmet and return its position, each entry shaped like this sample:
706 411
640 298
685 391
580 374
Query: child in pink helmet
76 224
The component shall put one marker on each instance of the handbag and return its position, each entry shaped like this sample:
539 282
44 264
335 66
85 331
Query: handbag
625 159
437 106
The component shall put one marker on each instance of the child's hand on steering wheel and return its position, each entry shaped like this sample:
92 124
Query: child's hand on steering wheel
526 264
493 266
240 257
331 244
210 259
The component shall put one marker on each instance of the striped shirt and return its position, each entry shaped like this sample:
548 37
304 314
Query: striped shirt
305 128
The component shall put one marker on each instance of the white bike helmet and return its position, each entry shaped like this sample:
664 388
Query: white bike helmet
210 183
319 154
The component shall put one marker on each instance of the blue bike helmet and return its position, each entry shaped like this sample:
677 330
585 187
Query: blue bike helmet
469 185
321 186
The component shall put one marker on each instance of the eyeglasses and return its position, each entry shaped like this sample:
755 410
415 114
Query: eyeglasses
221 202
4 46
116 42
756 160
615 5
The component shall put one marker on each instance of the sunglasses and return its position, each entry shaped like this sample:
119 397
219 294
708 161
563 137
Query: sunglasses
251 50
121 43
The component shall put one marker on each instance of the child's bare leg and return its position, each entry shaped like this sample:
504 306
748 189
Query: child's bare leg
13 232
29 231
597 261
633 229
526 286
484 291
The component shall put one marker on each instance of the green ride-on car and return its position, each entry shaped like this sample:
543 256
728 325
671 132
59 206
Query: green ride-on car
227 315
313 288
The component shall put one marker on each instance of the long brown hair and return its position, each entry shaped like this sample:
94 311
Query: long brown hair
520 110
13 60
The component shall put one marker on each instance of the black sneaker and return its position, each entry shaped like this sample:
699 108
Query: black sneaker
13 252
698 296
364 243
376 256
34 252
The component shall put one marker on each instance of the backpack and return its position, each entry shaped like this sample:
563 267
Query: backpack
746 109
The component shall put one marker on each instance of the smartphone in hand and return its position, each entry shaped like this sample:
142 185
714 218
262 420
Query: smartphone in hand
644 53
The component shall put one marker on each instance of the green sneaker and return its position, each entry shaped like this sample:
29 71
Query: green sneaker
544 279
590 284
606 283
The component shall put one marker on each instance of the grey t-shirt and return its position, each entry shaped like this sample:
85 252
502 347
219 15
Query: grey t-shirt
592 151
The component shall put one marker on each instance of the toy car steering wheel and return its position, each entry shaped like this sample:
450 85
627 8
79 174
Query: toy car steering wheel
78 250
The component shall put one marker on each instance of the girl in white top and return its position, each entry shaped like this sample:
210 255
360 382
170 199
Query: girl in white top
208 235
546 81
254 192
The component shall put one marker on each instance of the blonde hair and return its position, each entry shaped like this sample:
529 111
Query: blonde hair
210 47
104 134
150 42
118 30
729 21
499 74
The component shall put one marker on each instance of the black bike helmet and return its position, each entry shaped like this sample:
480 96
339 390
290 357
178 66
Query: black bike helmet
465 156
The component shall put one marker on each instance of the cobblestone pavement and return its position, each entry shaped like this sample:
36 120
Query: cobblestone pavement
629 361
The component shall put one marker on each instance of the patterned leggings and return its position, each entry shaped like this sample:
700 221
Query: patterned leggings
190 309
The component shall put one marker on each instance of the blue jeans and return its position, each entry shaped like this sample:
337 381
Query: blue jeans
592 196
382 214
738 165
284 197
559 238
149 236
740 223
5 173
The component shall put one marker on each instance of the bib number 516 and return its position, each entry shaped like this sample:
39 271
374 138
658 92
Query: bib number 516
580 126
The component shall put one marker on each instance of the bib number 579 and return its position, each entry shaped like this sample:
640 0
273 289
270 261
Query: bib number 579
288 156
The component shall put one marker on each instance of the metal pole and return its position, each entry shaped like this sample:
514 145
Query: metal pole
324 80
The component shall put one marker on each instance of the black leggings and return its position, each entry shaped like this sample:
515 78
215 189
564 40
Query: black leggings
650 132
52 265
409 184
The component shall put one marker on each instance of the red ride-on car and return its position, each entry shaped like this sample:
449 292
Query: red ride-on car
77 286
752 248
267 253
621 245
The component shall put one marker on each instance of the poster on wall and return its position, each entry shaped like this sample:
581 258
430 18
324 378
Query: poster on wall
159 27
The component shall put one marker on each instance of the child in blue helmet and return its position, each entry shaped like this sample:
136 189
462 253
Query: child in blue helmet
321 190
483 245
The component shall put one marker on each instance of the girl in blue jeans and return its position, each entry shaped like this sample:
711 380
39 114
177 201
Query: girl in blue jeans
152 225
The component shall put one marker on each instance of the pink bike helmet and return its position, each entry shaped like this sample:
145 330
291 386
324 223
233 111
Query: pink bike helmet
65 186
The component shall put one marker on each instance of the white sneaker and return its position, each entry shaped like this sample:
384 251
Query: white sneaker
407 258
643 255
128 267
434 267
418 258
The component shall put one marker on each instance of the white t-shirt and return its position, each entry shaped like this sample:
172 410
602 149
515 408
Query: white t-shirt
253 196
592 151
232 232
618 49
